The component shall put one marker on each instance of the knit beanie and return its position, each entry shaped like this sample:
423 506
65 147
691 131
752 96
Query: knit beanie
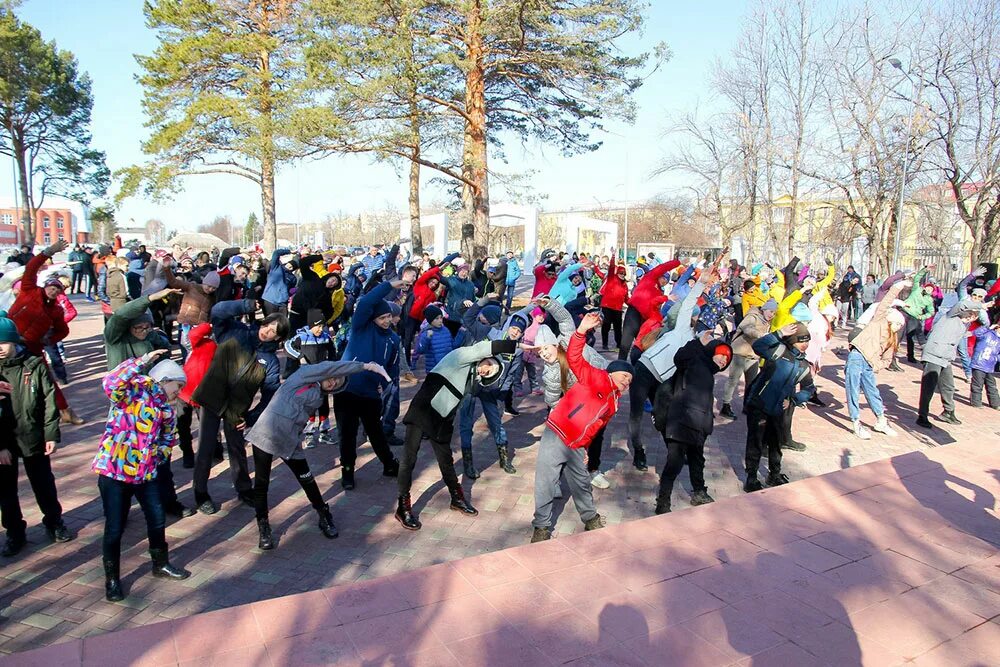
491 313
144 317
432 312
801 312
544 336
770 304
211 279
620 366
8 331
54 282
168 370
314 317
801 334
381 308
519 322
395 308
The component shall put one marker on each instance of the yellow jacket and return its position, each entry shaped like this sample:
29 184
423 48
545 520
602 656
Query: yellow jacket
785 305
337 301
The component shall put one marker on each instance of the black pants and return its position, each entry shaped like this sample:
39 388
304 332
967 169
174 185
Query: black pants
43 485
272 308
78 286
630 329
914 331
351 411
594 451
677 453
262 480
410 328
763 432
643 388
116 497
165 482
980 379
612 320
91 282
411 446
134 284
207 439
786 424
184 430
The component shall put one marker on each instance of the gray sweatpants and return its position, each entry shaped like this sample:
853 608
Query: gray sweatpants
740 366
554 458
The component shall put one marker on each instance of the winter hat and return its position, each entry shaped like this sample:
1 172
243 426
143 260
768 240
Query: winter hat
144 318
314 317
544 336
381 308
395 308
491 313
895 318
432 312
285 259
721 347
236 260
801 313
168 370
801 334
980 292
967 307
458 262
211 279
829 310
495 375
8 331
54 282
518 321
620 366
770 304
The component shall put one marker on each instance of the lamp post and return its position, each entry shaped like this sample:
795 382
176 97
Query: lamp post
895 62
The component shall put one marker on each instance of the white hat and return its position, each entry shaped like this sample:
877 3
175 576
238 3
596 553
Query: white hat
544 336
168 370
829 310
457 262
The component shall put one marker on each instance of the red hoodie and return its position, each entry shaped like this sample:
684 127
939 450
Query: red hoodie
647 297
423 295
202 351
614 291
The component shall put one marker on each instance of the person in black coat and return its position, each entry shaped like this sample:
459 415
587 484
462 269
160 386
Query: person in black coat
690 417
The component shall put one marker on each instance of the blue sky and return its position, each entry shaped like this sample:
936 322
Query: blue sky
104 35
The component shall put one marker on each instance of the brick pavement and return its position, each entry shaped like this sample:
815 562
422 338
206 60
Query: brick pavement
53 593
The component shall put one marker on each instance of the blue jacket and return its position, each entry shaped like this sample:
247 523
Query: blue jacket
513 271
987 352
459 291
279 280
373 264
563 290
435 347
226 325
785 368
370 342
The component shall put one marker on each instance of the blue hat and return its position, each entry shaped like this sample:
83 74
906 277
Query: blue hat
621 366
491 313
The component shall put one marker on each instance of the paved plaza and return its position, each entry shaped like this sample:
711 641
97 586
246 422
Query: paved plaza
880 546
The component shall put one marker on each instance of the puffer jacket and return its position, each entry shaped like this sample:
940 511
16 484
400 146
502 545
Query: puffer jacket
785 368
752 327
659 358
231 383
434 343
552 373
202 350
423 296
279 429
370 342
688 416
987 351
120 344
875 342
279 281
196 306
33 401
563 290
589 404
919 305
313 349
38 318
942 343
459 291
141 429
614 291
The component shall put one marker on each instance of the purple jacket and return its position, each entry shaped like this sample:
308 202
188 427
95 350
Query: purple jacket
987 352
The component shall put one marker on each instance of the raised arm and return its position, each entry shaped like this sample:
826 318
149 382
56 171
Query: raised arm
364 309
561 316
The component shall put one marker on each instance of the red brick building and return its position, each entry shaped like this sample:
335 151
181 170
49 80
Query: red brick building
59 219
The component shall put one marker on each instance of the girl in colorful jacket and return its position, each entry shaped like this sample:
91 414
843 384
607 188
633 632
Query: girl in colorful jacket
984 366
139 436
580 414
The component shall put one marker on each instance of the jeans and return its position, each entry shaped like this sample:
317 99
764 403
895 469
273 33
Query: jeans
643 388
963 355
43 484
411 447
630 329
207 439
390 409
509 298
979 379
410 328
677 453
351 411
763 432
262 480
467 419
747 367
555 459
57 363
612 320
116 497
529 368
937 378
859 377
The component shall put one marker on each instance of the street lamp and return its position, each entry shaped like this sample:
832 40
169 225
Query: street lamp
896 63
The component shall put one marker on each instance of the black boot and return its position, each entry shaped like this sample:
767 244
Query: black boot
752 484
112 581
60 533
188 460
326 525
662 505
162 567
13 546
508 403
179 510
460 504
639 459
923 422
347 477
701 497
404 514
815 400
266 541
777 479
391 469
505 459
894 366
468 467
727 411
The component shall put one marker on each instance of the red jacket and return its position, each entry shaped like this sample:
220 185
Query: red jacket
614 291
202 351
423 295
647 297
542 282
35 314
589 404
69 310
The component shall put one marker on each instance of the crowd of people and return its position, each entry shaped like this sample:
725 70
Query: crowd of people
264 349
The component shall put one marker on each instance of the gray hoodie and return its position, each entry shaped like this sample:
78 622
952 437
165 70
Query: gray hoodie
950 330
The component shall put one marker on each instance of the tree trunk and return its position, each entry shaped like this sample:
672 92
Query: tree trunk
475 198
267 203
27 207
416 238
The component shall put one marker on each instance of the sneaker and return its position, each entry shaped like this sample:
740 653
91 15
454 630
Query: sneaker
701 497
752 484
882 426
541 534
727 411
324 426
860 430
310 427
950 418
599 481
777 479
309 443
59 533
794 445
208 507
596 523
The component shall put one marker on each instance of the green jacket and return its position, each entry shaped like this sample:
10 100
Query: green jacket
33 402
118 339
919 305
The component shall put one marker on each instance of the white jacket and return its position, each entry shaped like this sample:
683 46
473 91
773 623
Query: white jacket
659 358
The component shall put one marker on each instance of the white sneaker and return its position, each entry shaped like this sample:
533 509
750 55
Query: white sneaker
599 481
861 431
324 426
882 426
310 427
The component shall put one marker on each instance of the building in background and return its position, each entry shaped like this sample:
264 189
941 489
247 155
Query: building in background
59 218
